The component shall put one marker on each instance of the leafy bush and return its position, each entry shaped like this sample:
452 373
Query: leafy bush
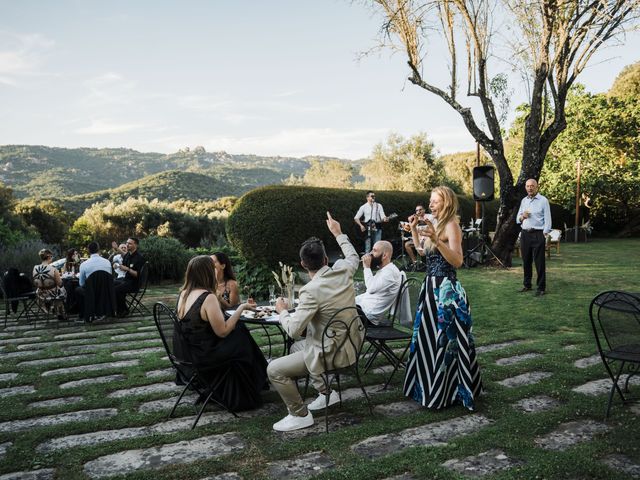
167 258
22 256
269 224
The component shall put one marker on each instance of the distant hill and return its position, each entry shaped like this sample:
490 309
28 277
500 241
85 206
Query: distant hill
169 186
50 172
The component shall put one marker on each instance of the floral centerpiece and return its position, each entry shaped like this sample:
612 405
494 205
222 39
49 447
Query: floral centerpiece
286 281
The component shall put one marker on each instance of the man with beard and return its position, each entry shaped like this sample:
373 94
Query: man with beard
382 287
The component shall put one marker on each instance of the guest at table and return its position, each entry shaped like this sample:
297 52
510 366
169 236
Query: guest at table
116 260
226 284
50 293
95 263
132 263
222 350
72 262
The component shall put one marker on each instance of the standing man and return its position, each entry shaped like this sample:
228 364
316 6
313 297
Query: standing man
534 216
329 290
409 246
373 214
132 263
382 287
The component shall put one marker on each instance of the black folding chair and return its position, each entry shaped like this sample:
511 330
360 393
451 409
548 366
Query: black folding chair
134 299
615 319
344 329
379 337
24 300
187 371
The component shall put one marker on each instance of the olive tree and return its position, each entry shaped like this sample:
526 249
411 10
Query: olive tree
550 42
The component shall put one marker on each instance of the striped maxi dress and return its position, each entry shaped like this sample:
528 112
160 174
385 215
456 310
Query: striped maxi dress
442 369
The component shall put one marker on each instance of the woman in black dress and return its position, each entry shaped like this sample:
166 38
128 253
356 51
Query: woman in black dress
222 349
226 283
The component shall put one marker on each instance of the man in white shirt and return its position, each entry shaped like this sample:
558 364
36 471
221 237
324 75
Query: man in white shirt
373 214
93 264
382 287
534 216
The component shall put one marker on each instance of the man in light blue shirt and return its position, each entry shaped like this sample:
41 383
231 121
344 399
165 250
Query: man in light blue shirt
94 263
534 216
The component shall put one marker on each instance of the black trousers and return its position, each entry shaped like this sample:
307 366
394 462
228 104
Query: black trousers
532 246
122 287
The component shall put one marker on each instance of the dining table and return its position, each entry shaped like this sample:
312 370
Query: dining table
265 319
71 281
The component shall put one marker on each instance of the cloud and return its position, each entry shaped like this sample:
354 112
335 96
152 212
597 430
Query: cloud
109 88
106 127
21 55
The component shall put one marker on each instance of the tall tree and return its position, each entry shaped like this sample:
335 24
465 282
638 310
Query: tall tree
551 41
408 165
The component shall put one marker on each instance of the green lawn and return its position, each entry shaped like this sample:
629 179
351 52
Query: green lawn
544 325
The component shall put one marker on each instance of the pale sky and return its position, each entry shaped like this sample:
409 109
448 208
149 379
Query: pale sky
278 77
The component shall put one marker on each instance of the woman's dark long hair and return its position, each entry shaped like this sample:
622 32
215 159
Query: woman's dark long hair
228 269
200 274
70 254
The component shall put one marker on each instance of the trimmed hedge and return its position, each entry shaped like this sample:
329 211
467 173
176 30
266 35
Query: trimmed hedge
268 224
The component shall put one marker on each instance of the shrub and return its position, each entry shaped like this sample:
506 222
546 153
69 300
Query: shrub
22 256
167 258
268 224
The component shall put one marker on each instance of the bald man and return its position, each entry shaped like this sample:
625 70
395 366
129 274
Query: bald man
534 216
382 287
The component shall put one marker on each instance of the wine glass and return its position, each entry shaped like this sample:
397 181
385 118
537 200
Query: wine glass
272 295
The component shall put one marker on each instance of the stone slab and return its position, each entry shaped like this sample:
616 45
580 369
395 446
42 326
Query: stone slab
54 343
56 360
18 390
164 372
528 378
402 476
163 428
41 474
129 461
59 419
69 336
305 466
90 368
3 448
55 402
166 403
397 409
110 345
485 463
138 352
571 433
146 389
587 361
5 377
536 404
517 359
431 434
224 476
497 346
135 336
19 340
92 381
23 354
623 464
601 387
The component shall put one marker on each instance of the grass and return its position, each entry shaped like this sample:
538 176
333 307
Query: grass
544 325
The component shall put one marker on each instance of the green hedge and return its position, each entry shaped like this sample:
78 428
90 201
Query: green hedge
268 224
167 258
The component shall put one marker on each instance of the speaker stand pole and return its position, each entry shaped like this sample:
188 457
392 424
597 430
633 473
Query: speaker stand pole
484 243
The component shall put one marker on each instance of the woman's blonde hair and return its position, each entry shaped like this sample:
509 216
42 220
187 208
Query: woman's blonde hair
200 274
449 212
45 253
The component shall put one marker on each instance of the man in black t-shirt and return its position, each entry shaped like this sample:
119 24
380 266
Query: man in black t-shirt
131 264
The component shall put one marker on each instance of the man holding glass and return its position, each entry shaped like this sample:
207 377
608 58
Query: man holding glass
534 216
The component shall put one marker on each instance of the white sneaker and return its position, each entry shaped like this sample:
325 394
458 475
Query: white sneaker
320 402
291 422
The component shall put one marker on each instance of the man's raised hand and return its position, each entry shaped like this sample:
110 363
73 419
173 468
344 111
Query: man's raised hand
333 225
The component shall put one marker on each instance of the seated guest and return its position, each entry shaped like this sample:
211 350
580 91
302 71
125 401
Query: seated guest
211 342
382 288
72 262
409 246
132 263
329 290
226 284
49 290
100 302
16 284
116 260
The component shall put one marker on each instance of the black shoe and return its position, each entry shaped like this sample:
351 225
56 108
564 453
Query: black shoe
524 289
539 293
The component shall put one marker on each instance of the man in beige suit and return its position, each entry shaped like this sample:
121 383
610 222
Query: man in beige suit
329 290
